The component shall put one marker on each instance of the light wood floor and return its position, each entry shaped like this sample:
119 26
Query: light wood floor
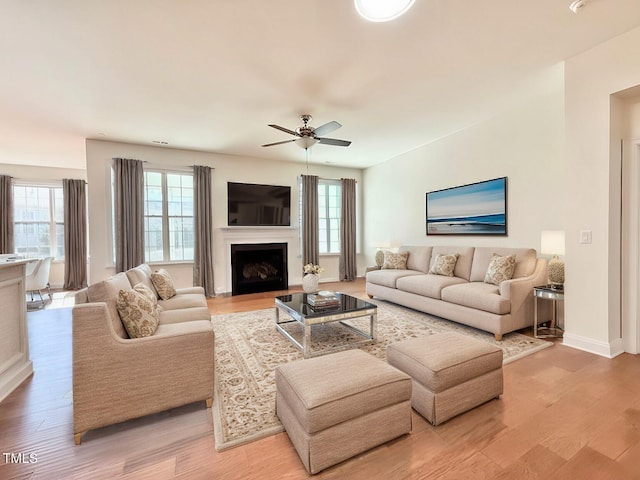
565 414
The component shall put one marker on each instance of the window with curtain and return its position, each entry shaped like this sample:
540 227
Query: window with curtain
38 212
168 216
329 201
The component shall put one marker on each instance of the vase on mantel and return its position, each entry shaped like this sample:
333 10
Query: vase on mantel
310 283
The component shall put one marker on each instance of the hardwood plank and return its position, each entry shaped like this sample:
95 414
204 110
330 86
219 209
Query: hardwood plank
564 414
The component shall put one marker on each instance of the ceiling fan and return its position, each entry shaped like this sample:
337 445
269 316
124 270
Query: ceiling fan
308 136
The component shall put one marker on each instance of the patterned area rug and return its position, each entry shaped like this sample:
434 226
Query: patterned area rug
248 349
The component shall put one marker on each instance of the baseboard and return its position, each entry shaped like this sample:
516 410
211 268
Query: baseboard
604 349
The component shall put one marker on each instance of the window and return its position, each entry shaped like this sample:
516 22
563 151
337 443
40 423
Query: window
329 204
38 215
168 216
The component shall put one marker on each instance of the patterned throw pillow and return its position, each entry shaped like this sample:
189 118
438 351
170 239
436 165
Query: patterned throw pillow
395 261
147 292
444 264
163 283
500 269
139 315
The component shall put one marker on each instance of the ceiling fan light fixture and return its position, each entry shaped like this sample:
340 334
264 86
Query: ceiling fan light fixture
382 10
306 142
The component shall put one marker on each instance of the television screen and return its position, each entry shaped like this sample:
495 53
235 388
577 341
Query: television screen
252 205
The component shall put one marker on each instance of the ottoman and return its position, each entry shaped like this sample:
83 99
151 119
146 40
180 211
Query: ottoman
339 405
451 373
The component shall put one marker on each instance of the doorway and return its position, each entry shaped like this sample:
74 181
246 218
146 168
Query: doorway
631 246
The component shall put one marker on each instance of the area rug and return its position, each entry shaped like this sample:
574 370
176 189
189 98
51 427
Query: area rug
248 348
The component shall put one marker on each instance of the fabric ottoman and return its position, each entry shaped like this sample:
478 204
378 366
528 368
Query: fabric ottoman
451 373
339 405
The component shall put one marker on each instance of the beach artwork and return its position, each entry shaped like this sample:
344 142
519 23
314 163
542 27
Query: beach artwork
475 209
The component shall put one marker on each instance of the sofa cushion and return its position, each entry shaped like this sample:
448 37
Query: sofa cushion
139 314
184 328
141 274
419 257
388 278
465 259
525 261
396 261
163 283
184 315
500 269
478 295
184 300
427 285
107 292
444 264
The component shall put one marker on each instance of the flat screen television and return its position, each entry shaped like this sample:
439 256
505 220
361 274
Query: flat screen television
254 205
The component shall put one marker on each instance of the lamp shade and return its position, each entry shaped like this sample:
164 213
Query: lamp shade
552 242
382 10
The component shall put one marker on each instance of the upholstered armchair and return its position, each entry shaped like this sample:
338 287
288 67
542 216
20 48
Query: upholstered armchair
117 379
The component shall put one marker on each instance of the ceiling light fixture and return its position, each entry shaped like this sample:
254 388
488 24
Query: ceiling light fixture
382 10
306 142
577 5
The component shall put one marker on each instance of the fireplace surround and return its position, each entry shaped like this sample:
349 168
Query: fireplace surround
258 267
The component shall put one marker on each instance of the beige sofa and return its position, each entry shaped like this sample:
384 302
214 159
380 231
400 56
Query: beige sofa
117 378
465 297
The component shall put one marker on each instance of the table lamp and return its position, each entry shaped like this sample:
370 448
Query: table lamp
552 243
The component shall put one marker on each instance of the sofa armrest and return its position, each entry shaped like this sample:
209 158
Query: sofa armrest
520 292
116 379
199 290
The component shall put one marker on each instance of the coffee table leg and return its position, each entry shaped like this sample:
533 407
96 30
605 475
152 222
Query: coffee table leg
306 340
373 327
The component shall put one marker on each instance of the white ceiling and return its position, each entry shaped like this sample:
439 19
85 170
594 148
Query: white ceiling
211 74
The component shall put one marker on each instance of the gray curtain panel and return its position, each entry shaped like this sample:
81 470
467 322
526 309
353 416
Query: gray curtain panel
6 215
203 228
75 234
310 220
348 260
129 213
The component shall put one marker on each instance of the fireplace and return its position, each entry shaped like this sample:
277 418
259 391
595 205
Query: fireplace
258 267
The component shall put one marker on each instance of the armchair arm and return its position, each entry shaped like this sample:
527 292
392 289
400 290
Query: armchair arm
520 292
116 379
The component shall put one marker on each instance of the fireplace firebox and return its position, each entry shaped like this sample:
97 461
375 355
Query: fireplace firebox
258 267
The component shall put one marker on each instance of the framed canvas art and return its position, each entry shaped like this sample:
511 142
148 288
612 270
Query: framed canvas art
475 209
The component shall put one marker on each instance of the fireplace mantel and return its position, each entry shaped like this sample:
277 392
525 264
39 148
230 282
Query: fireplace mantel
233 235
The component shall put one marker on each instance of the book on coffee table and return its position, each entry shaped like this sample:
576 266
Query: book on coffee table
323 298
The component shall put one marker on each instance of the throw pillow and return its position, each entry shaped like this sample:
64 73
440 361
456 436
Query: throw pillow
147 292
500 269
163 283
395 261
444 264
139 315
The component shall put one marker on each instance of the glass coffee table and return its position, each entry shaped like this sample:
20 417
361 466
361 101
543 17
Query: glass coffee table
297 309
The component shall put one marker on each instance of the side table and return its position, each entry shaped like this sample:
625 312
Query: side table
555 294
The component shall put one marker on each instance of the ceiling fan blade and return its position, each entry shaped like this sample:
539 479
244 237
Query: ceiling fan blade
327 128
285 130
279 143
334 141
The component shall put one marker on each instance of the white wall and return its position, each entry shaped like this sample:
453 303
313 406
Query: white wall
593 178
524 144
44 175
226 168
